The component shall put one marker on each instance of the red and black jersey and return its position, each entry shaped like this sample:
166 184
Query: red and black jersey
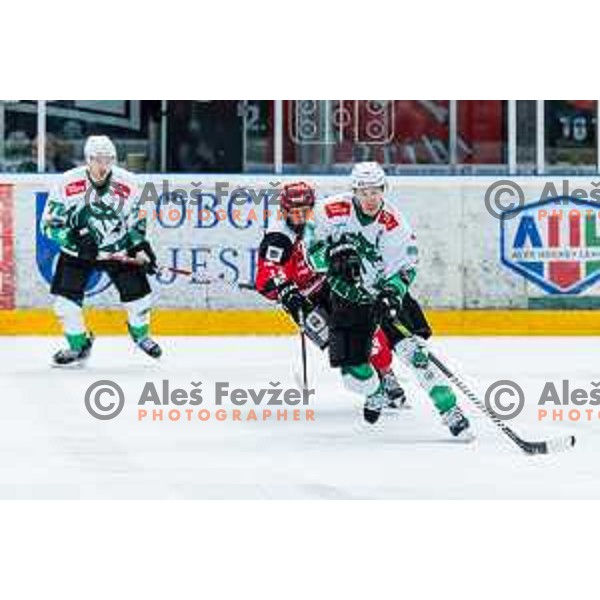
281 260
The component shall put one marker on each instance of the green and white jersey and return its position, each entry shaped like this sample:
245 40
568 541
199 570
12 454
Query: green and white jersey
111 213
385 243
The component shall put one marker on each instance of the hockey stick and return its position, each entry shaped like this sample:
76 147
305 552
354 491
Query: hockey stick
303 351
128 260
545 447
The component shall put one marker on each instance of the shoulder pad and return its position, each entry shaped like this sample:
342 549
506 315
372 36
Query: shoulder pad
338 208
275 247
124 183
120 189
388 220
72 188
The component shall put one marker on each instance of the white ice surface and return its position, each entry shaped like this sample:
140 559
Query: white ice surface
50 447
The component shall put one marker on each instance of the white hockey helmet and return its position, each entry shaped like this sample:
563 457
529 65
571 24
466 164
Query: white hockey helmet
367 174
99 145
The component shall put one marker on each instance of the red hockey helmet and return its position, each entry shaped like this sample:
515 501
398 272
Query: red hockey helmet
297 195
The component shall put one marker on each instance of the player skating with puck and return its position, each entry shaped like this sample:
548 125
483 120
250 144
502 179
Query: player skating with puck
285 276
368 253
94 216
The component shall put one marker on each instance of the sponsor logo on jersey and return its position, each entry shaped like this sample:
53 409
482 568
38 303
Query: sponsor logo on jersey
554 243
120 189
75 187
274 254
337 209
388 220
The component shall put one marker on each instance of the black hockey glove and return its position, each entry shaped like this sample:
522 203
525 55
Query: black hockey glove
143 252
294 302
389 302
344 261
87 248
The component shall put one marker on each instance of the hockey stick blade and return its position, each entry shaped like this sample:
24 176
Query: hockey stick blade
545 447
550 447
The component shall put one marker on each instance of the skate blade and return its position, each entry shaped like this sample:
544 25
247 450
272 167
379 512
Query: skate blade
466 436
153 358
405 406
371 417
71 366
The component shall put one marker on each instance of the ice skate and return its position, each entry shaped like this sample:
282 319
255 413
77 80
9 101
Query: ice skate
69 357
395 396
149 347
458 424
373 406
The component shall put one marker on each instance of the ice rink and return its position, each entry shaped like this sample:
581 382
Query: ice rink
51 447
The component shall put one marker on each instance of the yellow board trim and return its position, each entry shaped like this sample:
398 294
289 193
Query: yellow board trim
275 322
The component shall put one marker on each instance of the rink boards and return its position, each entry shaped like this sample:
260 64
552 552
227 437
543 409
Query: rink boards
269 322
478 274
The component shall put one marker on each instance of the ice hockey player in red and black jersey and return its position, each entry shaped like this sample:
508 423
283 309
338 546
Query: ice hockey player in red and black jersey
285 276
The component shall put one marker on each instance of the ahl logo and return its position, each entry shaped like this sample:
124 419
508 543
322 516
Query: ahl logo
553 243
46 253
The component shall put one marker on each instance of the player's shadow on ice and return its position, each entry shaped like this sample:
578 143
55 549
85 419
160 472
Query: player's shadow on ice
440 440
104 371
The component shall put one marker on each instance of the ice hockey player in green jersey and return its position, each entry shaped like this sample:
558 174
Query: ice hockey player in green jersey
94 216
369 253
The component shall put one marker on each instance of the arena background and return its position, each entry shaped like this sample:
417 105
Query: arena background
442 157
